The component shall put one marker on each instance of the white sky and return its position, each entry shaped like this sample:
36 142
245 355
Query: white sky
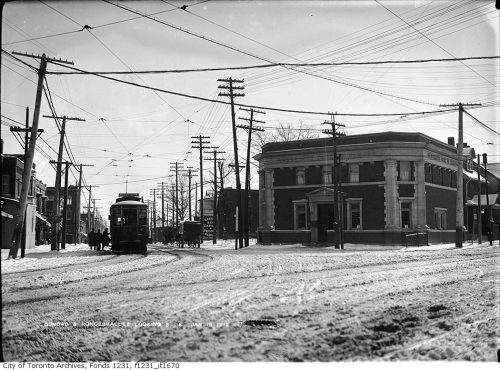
154 127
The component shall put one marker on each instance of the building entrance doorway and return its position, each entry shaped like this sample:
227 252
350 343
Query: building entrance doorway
325 220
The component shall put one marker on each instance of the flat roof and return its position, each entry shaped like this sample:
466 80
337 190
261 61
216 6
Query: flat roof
378 137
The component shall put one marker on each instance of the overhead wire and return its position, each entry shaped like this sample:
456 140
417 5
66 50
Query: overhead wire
222 102
435 43
264 59
273 65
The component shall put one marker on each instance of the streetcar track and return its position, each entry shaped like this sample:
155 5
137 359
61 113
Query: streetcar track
52 269
86 279
375 275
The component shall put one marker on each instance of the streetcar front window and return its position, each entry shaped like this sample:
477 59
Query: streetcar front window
143 216
116 217
129 216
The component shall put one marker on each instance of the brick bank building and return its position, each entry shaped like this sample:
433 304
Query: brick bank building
392 184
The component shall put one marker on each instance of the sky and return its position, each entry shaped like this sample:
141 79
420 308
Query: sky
133 135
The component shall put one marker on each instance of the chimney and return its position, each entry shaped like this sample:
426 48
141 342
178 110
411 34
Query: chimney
451 141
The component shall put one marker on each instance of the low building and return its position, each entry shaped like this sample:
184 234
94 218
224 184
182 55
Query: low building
391 184
72 211
227 201
35 222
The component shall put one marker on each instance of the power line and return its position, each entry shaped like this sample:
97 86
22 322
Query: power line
247 105
95 27
264 59
482 124
272 65
435 43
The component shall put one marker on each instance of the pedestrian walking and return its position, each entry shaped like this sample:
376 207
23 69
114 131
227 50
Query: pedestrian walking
98 239
105 238
91 238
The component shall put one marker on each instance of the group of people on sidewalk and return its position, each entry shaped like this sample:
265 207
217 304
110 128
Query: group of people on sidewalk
98 241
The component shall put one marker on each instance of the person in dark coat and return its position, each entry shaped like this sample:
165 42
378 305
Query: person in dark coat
98 240
105 238
91 238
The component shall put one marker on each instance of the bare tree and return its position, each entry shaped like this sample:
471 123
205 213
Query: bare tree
285 131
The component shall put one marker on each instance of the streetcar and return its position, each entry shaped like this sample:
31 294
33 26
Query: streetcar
128 218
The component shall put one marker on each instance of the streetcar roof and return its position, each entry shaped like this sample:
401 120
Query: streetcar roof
129 203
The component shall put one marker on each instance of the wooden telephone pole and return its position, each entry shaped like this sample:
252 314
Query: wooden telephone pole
78 203
459 230
28 163
57 187
337 205
250 128
200 141
232 94
214 152
26 131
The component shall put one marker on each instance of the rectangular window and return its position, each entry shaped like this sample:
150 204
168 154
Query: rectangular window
440 218
143 216
301 176
327 175
300 216
406 215
353 172
354 215
5 184
69 200
404 171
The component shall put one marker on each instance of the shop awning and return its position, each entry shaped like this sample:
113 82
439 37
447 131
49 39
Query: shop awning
43 219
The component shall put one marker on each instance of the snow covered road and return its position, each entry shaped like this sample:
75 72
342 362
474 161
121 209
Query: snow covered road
263 303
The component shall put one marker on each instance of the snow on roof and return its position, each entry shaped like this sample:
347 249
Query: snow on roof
492 199
473 175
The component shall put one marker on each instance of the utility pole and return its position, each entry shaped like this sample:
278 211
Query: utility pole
65 205
488 208
214 152
222 198
162 207
336 210
57 186
65 202
28 163
479 216
232 94
190 175
154 216
78 202
196 198
95 214
26 131
250 128
176 168
459 230
200 141
89 223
